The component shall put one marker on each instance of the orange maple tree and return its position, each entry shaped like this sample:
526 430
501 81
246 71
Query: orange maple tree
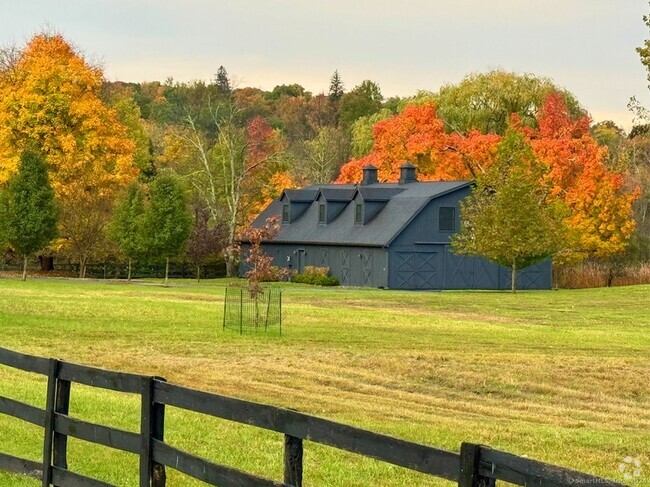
600 208
50 99
417 135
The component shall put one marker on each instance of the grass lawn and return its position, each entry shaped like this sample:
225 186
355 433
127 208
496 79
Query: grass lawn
560 376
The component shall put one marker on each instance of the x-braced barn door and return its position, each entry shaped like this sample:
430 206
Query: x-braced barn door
324 261
366 266
345 267
417 270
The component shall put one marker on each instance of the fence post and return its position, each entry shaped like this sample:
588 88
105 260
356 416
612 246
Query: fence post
280 301
159 477
241 311
268 307
225 307
470 457
52 375
292 461
61 406
152 425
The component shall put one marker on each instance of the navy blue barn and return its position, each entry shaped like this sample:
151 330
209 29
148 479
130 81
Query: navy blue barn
390 235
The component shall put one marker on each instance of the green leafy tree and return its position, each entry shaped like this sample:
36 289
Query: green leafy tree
27 210
364 99
610 135
323 155
125 228
637 164
486 101
507 218
292 91
363 138
227 176
166 221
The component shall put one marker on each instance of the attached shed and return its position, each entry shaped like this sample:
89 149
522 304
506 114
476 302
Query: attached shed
389 235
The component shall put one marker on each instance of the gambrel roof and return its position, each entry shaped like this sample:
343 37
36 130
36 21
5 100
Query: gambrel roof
400 204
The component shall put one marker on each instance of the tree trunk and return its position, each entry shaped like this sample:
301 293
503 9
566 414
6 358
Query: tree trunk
128 275
230 266
198 273
25 267
47 263
610 277
82 268
167 272
230 249
514 278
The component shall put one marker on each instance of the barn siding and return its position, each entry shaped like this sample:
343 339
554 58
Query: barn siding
424 227
433 265
437 267
351 265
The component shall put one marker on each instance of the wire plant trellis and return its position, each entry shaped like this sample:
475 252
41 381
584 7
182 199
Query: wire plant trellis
245 313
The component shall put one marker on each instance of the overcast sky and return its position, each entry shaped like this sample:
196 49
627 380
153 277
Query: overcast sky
586 46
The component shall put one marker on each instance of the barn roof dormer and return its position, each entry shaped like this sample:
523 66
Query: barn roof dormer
295 203
369 200
331 202
337 194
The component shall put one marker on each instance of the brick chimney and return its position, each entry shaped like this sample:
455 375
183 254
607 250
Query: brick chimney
369 175
407 173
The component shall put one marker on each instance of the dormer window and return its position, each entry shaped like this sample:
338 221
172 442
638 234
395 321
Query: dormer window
358 214
285 213
321 213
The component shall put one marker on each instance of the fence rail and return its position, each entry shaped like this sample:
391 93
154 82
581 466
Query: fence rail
475 466
119 270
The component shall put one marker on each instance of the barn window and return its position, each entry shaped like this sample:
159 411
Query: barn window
321 213
285 213
447 218
358 214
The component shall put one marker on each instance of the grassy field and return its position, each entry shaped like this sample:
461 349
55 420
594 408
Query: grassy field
560 376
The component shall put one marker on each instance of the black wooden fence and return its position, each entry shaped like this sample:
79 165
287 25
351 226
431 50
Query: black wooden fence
475 465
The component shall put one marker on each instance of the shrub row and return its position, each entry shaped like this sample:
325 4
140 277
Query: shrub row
315 279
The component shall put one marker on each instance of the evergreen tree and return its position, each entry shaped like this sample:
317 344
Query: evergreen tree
27 210
222 81
126 227
167 222
507 218
336 87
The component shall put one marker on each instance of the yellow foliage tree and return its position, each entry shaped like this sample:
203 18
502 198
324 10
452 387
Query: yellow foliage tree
50 98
